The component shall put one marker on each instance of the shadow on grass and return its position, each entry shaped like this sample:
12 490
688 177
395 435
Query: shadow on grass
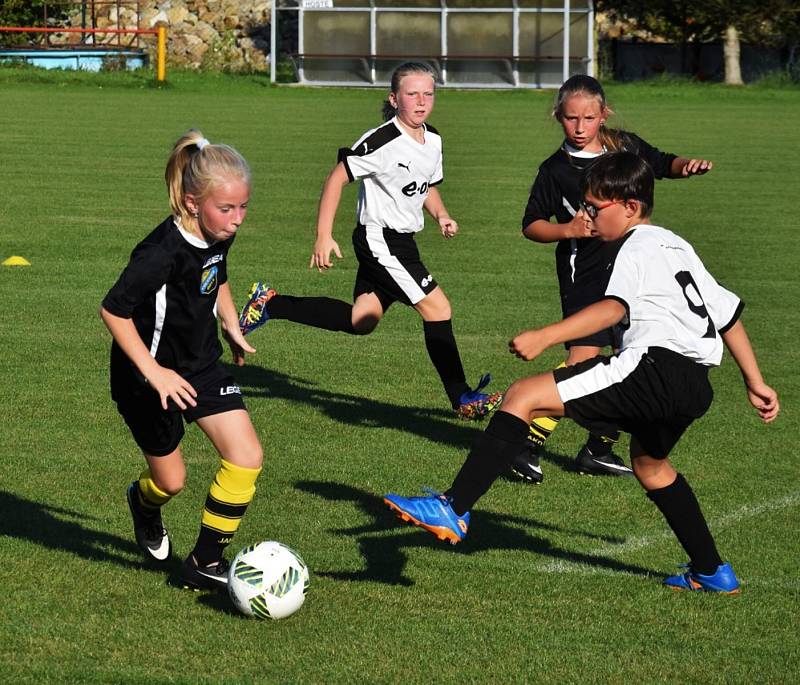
48 526
385 556
437 425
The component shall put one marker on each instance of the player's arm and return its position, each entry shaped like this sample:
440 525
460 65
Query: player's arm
435 207
328 204
682 167
596 317
545 196
164 381
542 231
229 321
761 396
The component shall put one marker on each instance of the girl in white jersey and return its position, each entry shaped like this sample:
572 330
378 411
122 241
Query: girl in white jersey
674 318
399 165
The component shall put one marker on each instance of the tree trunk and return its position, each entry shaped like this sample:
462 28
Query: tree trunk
733 70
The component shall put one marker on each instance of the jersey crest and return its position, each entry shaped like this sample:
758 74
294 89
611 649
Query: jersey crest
208 280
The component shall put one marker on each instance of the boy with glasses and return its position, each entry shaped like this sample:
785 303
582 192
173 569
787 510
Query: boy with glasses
674 318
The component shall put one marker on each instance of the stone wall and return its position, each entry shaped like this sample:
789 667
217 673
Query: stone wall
229 35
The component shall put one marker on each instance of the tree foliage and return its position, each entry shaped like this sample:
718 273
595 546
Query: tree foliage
21 12
772 22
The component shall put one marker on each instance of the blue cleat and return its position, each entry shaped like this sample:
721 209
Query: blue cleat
434 513
254 313
722 580
474 404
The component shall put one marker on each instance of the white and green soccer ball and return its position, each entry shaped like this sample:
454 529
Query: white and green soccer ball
268 580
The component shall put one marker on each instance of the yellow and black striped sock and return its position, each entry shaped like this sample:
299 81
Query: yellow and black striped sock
230 493
543 427
150 497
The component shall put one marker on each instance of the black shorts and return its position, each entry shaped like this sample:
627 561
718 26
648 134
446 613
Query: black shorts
389 265
159 432
653 394
604 338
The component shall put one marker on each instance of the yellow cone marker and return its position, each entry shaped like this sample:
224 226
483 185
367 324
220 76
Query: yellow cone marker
15 260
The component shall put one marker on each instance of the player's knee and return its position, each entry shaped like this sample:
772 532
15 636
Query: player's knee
439 310
171 484
250 456
519 400
257 456
652 473
365 317
365 325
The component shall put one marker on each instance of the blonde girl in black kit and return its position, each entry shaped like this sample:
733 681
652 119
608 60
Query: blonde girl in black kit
162 314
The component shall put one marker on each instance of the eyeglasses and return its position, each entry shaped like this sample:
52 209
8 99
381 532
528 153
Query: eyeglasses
593 210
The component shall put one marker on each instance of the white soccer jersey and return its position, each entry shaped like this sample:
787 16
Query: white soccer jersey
396 172
671 300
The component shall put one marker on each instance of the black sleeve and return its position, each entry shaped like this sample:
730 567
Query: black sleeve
223 275
660 162
149 268
543 200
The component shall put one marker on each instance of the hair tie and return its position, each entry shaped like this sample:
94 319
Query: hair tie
202 143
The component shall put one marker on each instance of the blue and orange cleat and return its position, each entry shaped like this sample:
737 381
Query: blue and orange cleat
434 513
474 404
723 580
254 313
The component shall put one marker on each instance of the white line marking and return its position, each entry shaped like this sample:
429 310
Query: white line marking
636 543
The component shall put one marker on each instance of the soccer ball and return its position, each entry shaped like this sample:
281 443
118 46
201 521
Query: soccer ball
268 580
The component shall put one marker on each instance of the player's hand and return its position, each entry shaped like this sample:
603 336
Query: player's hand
170 385
321 257
238 345
696 167
529 344
764 399
448 226
581 226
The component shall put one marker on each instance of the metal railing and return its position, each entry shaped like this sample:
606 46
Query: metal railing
443 56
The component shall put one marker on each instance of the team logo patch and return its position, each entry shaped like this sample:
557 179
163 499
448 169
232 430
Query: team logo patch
208 281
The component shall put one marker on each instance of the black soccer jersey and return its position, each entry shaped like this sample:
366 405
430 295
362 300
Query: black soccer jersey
169 289
580 263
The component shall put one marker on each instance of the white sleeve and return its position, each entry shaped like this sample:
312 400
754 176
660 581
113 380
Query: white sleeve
724 307
624 283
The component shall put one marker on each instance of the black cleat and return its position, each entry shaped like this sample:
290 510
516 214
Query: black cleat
195 577
151 536
525 466
608 464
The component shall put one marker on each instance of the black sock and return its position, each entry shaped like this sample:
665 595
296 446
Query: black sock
602 443
443 351
208 547
490 456
321 312
682 511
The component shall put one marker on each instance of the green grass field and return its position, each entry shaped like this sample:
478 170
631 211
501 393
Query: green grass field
558 583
